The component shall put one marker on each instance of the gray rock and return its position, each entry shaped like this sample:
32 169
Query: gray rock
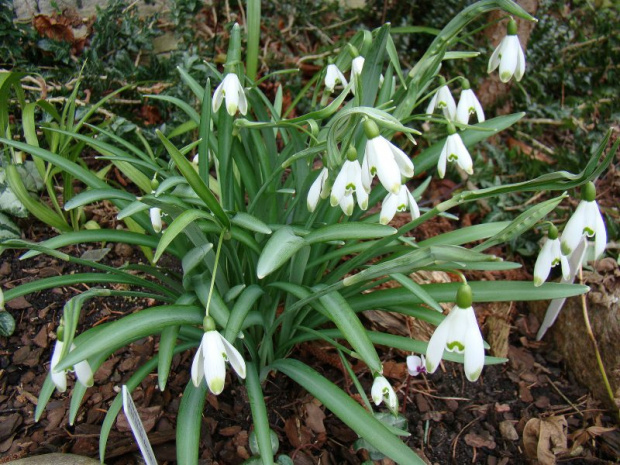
56 459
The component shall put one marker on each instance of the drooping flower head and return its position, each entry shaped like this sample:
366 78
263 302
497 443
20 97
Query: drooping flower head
382 390
400 202
383 159
318 190
508 56
586 221
348 181
454 150
550 255
332 76
416 365
443 100
458 332
468 105
210 359
82 369
155 214
231 90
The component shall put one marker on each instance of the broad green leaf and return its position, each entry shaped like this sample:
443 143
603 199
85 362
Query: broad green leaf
347 321
348 231
348 410
259 414
281 246
465 235
167 343
175 228
250 222
8 229
95 195
133 327
242 306
189 422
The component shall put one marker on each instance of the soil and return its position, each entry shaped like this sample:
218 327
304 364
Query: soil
451 420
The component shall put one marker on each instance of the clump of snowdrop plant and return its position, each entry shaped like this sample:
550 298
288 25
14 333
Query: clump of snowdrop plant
262 264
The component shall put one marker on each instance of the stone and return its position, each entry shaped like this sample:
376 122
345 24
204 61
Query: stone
56 459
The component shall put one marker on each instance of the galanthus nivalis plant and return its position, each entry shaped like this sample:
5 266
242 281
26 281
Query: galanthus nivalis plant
259 263
508 56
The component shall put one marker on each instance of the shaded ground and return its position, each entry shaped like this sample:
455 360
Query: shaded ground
450 419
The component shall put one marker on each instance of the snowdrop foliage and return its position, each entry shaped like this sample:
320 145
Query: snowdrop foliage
586 221
458 332
508 56
230 90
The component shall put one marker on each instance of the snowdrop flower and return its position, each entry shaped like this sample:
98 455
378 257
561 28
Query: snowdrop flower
156 219
82 369
349 180
357 65
230 89
550 255
382 390
508 56
468 105
587 220
458 332
318 190
210 360
384 159
454 151
443 99
398 203
416 365
332 76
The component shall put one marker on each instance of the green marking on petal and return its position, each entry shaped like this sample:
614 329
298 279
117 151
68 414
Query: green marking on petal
455 346
556 261
453 157
588 231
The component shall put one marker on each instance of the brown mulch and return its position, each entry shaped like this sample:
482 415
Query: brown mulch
512 412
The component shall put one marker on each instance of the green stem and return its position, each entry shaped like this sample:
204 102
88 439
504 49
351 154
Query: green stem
217 260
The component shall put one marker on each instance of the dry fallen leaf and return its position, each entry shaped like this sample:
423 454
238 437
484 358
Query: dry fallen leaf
544 438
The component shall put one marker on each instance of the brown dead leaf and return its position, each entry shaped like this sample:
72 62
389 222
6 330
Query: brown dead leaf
18 303
544 438
480 440
297 433
315 417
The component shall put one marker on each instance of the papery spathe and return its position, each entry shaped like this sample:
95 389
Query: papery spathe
210 361
231 90
458 332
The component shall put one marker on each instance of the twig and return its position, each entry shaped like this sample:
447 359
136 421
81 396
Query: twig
599 360
564 397
456 439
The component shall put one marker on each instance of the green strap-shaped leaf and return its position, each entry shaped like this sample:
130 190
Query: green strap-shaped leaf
259 413
464 235
194 180
349 411
347 321
348 231
251 223
175 228
416 290
281 246
95 195
189 422
240 310
133 327
167 343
